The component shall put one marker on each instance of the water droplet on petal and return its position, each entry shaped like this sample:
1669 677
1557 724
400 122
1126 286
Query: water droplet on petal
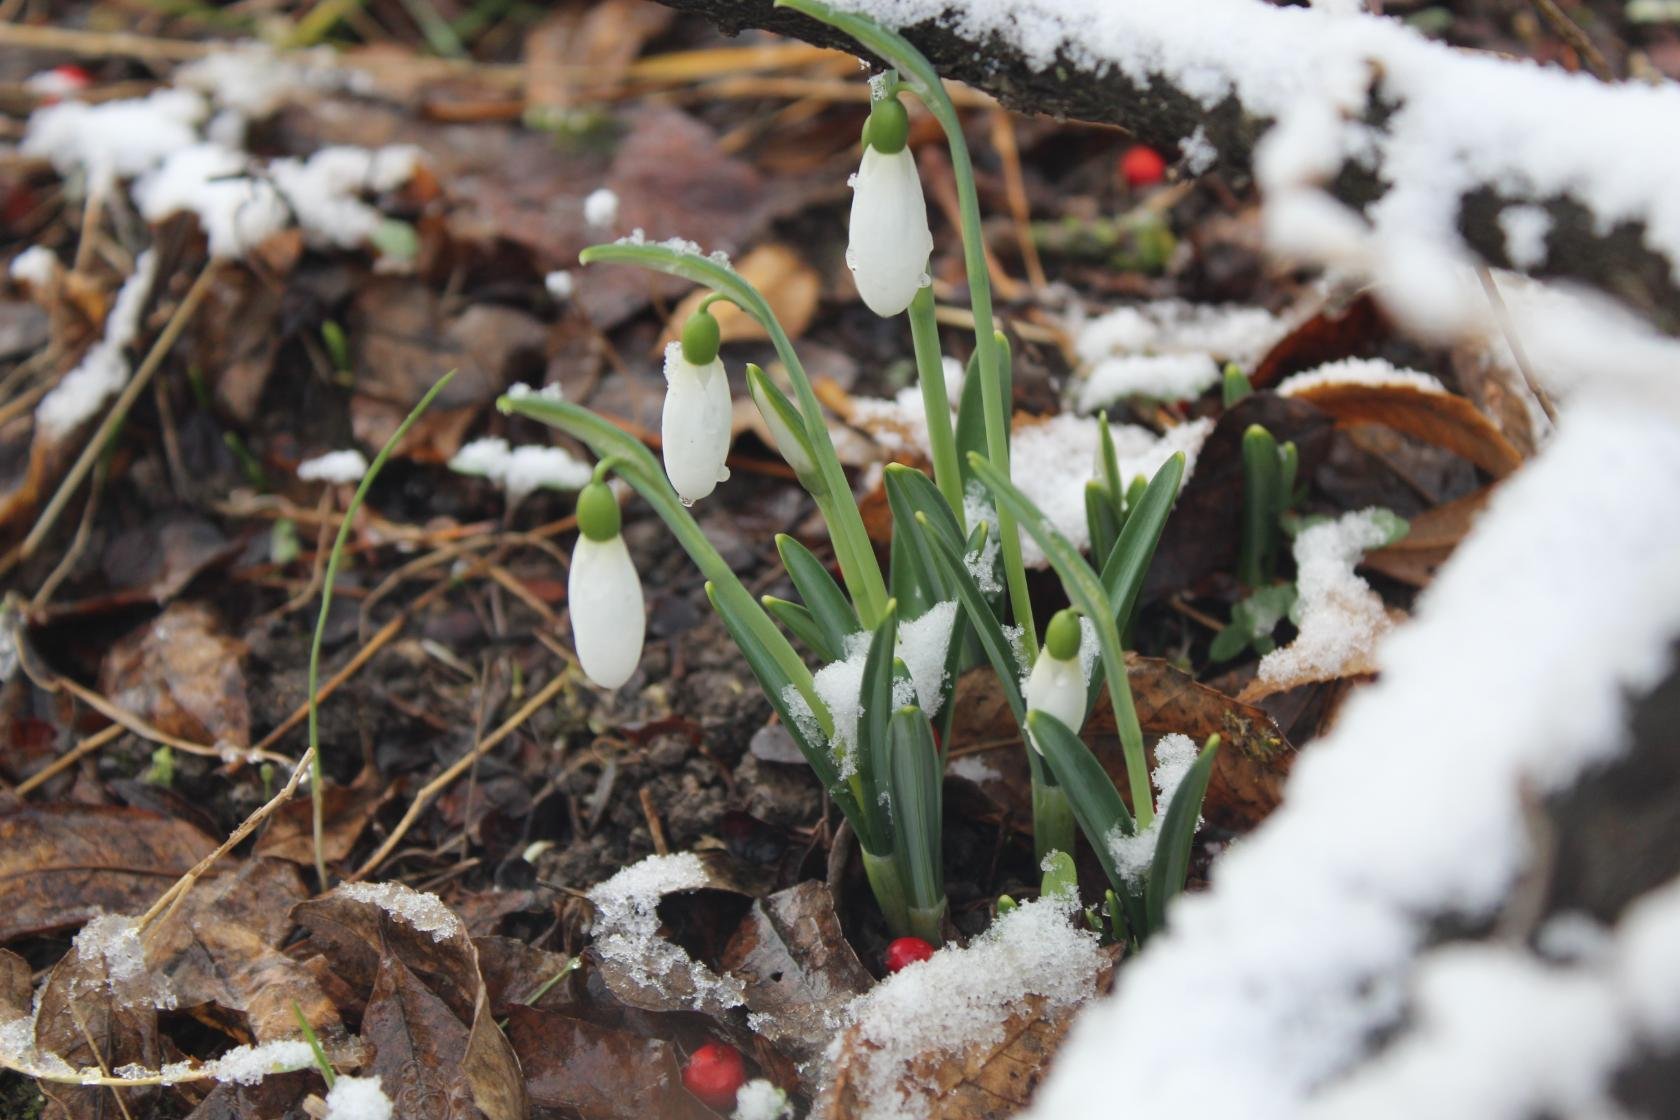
924 280
851 260
687 502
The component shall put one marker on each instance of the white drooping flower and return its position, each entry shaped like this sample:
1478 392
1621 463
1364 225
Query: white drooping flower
695 427
1056 685
889 241
604 592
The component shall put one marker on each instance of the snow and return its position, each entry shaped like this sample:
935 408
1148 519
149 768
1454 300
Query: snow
335 466
600 208
103 370
324 190
522 470
958 1000
1525 229
358 1098
520 391
973 768
1339 616
1163 377
424 912
1174 755
113 941
118 139
759 1099
1051 462
254 80
236 208
626 930
982 564
676 245
560 284
1198 152
921 644
36 266
247 1065
1372 373
1267 987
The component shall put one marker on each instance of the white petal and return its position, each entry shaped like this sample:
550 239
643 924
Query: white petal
890 242
608 615
1058 688
695 427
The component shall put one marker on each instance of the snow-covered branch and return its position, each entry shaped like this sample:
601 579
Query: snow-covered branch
1547 173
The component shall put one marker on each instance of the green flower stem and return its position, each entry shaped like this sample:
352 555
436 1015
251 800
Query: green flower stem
1054 829
886 881
852 548
924 81
936 402
637 466
317 780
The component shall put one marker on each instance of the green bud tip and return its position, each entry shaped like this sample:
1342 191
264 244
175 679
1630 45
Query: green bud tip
597 512
701 338
1061 639
889 126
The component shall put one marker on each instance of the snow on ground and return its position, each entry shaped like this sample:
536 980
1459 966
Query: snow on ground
627 929
104 369
358 1098
1262 994
521 470
1340 618
959 999
335 466
1168 350
1372 373
424 912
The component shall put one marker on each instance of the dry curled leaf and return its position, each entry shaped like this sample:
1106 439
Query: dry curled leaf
599 1073
437 1048
181 673
346 812
797 969
1441 419
63 864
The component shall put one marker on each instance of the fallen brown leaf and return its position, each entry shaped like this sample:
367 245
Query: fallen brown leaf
346 812
600 1073
580 49
1338 330
181 672
1442 419
1432 537
63 864
797 968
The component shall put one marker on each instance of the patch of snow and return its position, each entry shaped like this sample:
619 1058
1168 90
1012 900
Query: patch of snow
982 564
358 1098
1370 372
959 999
112 941
1163 377
335 466
1133 855
424 912
600 209
676 245
103 370
520 391
1051 462
1525 229
759 1099
325 190
236 207
1268 987
627 928
522 470
921 644
1198 152
117 139
36 266
973 768
1340 617
560 284
247 1065
254 80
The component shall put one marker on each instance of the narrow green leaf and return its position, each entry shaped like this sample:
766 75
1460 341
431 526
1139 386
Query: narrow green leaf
986 627
1235 385
1178 832
971 418
908 575
799 622
1261 479
875 707
823 598
917 806
1112 482
1095 802
1128 563
912 490
1100 521
1060 876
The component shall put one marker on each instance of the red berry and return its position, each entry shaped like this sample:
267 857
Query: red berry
714 1073
906 951
73 75
1142 166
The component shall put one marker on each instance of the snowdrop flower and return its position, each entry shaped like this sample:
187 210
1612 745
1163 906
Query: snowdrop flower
604 592
695 427
1057 683
890 242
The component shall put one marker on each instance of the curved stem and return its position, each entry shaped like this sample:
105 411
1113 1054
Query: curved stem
924 81
317 789
852 548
